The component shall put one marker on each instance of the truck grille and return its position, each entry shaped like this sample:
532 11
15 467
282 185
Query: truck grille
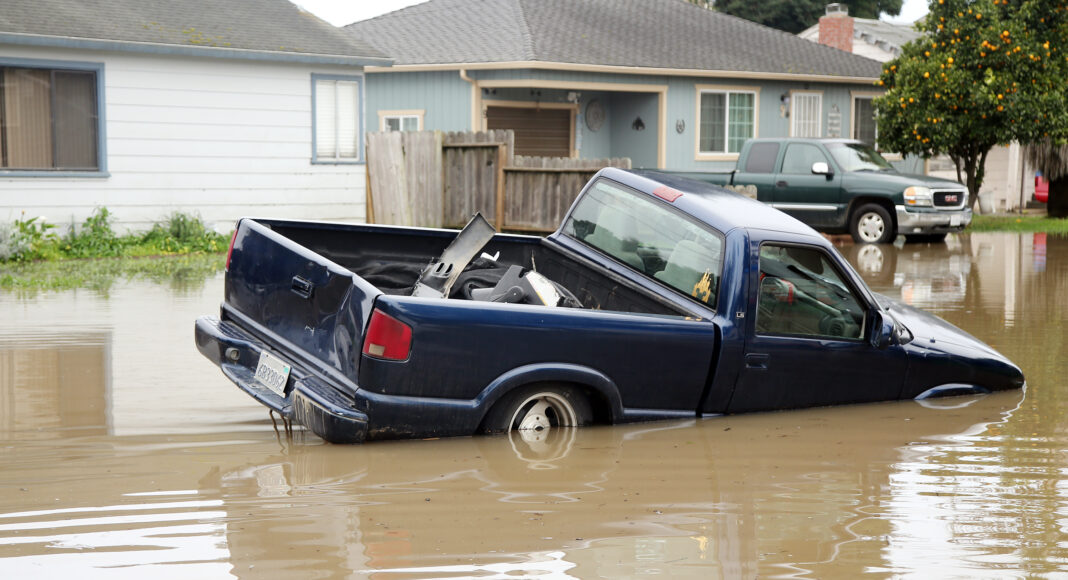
949 198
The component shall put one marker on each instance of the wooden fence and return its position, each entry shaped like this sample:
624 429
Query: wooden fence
435 179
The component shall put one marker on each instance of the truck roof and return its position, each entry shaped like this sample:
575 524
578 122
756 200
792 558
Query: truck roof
717 206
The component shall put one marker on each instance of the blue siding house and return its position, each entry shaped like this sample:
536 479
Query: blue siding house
663 82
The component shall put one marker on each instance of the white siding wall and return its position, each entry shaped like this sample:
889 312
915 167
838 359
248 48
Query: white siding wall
221 138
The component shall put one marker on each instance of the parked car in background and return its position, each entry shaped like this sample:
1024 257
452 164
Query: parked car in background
844 186
1041 188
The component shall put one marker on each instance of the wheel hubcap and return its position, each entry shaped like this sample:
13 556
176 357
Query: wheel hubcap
544 411
871 227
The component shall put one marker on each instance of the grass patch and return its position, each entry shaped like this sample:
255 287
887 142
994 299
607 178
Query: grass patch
1022 223
28 240
180 273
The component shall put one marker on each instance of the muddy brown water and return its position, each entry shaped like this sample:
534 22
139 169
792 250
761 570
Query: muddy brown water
124 454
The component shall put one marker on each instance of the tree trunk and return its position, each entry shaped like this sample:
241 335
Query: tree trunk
1057 207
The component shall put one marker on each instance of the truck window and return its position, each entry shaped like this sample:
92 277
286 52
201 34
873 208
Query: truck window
651 238
801 293
800 157
762 158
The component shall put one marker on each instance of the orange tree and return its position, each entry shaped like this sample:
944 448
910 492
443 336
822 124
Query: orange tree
984 72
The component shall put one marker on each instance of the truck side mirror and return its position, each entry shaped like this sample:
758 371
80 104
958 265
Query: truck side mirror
821 168
882 335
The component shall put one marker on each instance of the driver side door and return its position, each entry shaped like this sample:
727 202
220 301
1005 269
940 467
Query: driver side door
809 337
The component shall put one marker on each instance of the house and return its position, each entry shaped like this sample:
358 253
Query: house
663 82
147 107
1007 183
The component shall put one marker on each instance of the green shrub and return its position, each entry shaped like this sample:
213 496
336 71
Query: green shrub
95 238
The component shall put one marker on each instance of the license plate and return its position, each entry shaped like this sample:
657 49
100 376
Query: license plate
954 221
273 373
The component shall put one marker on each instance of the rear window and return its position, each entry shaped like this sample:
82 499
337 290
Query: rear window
650 237
762 158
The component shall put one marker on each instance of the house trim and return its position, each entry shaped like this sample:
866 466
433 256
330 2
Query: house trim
194 51
698 155
478 118
615 69
101 117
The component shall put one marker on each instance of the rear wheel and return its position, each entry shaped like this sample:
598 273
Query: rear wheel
871 224
538 408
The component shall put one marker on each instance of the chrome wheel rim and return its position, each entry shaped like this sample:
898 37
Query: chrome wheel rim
871 227
544 411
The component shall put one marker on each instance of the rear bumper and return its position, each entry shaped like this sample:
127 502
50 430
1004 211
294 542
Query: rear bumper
309 400
932 222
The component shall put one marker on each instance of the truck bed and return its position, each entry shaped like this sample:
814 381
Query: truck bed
391 259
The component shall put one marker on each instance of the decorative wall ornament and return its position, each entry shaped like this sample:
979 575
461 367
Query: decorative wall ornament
680 126
594 114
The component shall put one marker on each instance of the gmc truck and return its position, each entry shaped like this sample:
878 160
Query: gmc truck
657 298
843 186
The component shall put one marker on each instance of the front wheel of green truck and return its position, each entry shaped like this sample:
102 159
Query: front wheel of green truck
871 224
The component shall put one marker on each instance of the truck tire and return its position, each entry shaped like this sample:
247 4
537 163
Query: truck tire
871 224
538 408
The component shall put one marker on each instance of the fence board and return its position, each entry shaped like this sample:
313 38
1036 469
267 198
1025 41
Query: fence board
433 179
423 168
388 177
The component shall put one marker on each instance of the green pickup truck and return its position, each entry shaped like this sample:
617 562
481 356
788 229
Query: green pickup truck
841 185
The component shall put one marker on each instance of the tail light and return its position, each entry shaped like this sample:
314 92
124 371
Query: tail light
387 338
230 250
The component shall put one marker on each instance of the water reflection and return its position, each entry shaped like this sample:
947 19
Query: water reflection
125 454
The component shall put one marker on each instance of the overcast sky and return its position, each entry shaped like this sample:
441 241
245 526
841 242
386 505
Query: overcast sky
342 12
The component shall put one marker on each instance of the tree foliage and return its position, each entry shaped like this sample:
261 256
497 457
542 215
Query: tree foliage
985 72
793 16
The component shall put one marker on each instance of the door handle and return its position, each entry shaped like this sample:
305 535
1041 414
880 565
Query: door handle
757 361
781 184
302 287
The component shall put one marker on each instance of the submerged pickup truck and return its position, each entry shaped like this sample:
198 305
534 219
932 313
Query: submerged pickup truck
658 297
844 186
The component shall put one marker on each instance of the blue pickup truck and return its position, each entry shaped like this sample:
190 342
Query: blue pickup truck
658 297
843 186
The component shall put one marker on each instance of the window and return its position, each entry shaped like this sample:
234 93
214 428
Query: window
726 119
337 121
802 294
762 158
400 122
800 157
864 125
650 237
49 119
806 109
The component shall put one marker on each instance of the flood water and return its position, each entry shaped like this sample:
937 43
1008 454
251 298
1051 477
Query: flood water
125 454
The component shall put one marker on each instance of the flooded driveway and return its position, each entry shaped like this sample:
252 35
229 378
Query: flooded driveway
124 454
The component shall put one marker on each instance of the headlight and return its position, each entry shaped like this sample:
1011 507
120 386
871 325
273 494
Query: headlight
918 196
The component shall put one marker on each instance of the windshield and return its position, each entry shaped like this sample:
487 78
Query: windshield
858 157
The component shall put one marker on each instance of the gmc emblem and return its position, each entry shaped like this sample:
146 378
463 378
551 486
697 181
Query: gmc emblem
951 198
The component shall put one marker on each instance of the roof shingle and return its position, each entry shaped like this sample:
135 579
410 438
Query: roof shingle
261 26
656 34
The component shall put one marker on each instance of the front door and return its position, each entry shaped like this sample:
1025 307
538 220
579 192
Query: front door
809 344
812 198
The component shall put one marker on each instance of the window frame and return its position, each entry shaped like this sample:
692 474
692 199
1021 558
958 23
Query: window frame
316 159
726 154
862 299
855 96
794 122
401 115
97 69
